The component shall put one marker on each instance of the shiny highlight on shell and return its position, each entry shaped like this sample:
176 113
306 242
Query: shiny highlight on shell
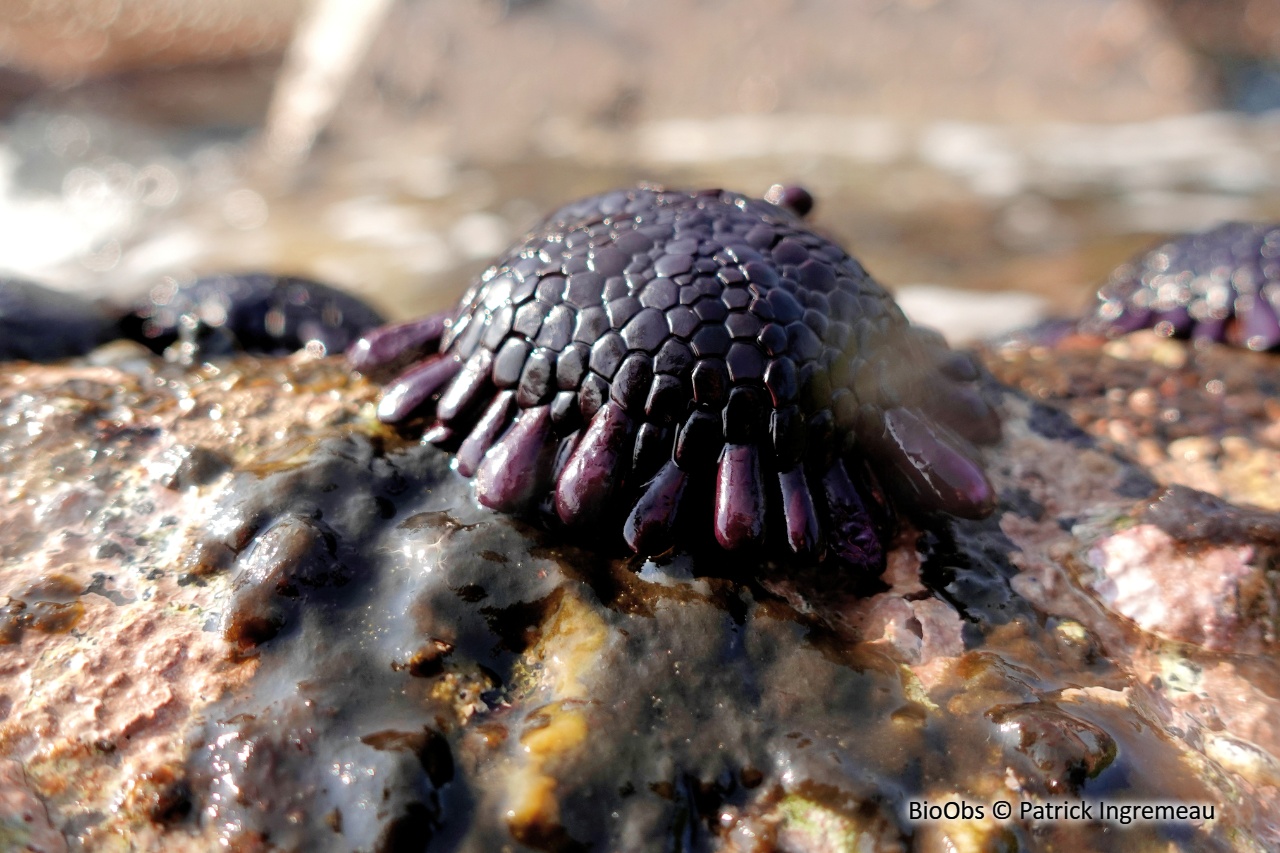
688 361
1221 285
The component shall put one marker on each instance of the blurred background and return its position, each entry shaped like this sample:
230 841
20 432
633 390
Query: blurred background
988 159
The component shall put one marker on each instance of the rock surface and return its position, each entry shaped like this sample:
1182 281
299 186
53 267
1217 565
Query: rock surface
240 613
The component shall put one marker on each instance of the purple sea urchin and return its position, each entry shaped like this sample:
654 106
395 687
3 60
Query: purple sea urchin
1222 284
216 315
653 355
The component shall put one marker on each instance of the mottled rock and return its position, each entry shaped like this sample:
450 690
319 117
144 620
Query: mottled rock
1217 596
434 675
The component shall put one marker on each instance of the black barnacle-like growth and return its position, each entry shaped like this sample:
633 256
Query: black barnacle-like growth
697 357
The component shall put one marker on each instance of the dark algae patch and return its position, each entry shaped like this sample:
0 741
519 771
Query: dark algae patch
51 606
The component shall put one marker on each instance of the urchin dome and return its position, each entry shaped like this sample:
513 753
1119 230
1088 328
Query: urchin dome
643 348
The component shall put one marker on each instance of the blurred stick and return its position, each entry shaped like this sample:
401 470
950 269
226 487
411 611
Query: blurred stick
331 40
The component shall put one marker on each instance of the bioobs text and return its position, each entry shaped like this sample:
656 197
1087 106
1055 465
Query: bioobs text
950 810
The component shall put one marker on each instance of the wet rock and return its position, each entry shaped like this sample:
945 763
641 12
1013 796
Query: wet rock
1058 751
184 467
51 605
288 562
1204 416
323 642
1219 596
24 820
1189 515
94 714
292 773
1184 564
